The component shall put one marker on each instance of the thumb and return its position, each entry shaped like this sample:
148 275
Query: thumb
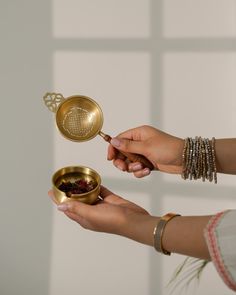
128 145
76 207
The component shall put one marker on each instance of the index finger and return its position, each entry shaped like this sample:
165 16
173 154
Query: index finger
133 134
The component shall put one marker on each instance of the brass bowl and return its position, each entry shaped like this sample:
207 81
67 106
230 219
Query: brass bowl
73 173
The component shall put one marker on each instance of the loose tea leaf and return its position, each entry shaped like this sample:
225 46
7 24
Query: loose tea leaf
80 186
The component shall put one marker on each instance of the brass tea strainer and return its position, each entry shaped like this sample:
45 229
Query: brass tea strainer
79 118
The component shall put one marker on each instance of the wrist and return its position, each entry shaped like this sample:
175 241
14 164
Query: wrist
159 231
140 227
179 154
176 148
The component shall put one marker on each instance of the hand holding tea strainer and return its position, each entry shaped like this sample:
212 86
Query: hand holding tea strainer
79 118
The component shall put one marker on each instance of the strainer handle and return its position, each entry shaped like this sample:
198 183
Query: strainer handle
132 157
52 100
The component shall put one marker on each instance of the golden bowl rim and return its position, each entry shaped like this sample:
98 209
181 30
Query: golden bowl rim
80 195
97 106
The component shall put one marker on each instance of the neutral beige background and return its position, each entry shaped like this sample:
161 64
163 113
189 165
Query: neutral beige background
171 64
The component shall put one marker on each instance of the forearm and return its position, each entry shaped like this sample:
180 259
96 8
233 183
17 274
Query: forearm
225 150
183 234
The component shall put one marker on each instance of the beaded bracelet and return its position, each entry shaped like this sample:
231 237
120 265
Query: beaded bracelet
199 160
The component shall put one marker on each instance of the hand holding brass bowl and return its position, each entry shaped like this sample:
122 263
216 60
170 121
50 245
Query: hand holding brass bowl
72 174
79 118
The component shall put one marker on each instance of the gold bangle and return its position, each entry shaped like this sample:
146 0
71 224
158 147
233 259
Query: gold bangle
158 232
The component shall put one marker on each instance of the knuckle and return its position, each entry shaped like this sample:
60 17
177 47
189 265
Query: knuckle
144 126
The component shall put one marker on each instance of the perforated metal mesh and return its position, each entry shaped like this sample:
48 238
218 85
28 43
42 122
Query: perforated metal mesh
78 122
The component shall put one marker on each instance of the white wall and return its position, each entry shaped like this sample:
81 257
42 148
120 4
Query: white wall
26 147
171 64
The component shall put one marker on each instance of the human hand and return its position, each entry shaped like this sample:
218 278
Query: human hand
112 214
163 150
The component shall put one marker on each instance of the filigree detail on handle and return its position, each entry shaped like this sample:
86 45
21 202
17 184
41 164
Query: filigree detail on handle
52 100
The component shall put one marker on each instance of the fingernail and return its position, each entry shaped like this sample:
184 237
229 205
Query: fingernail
63 207
109 158
146 171
115 142
136 167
